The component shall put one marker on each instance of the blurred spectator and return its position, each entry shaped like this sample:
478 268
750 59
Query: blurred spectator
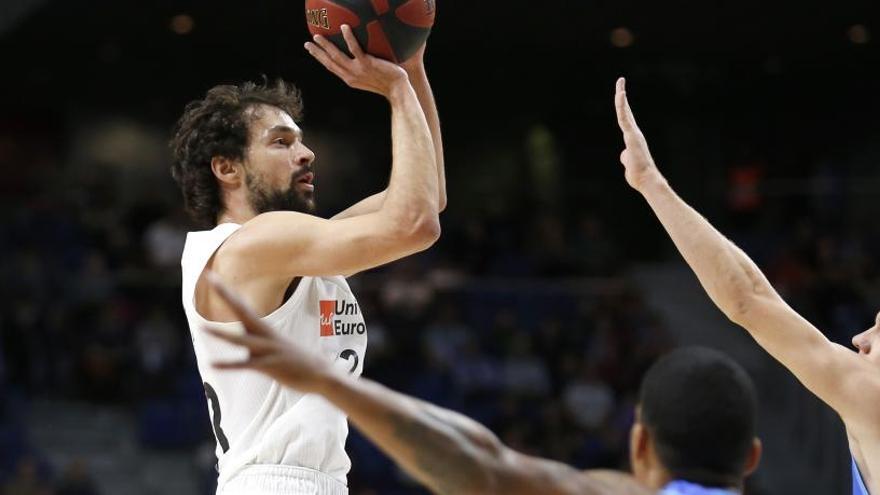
95 283
524 372
27 480
76 480
592 250
588 400
164 240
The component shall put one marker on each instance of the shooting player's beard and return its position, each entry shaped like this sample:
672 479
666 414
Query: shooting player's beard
263 199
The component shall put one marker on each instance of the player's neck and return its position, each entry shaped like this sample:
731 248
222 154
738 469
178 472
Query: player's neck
227 217
238 211
657 477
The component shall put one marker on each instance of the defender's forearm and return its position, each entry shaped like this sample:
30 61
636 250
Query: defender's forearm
729 276
444 450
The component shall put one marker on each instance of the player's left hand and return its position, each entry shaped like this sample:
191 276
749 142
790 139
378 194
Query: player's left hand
268 352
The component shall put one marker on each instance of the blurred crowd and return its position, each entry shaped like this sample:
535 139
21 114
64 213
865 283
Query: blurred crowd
529 326
534 335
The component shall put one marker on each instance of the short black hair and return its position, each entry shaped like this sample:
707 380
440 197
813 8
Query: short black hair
700 407
218 125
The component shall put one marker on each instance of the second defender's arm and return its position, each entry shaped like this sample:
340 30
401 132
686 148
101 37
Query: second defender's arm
444 450
738 287
453 454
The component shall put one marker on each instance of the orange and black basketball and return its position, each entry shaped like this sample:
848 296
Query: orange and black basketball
389 29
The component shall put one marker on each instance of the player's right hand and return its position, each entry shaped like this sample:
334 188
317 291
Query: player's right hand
636 158
268 352
364 71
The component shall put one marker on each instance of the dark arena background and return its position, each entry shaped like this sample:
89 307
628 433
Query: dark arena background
553 286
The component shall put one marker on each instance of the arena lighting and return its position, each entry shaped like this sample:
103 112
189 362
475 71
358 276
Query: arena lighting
622 37
182 24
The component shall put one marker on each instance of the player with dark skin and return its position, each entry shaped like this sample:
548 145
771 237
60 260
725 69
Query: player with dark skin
446 451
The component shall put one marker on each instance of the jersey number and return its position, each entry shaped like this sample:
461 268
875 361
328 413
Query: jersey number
215 417
211 394
348 353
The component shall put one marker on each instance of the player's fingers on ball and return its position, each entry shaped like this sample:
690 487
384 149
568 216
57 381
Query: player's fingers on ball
323 57
353 46
332 51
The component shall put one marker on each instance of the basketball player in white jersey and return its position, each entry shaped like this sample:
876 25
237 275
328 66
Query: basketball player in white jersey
847 381
245 172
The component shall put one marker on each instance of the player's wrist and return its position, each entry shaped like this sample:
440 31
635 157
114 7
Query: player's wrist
327 382
399 91
652 182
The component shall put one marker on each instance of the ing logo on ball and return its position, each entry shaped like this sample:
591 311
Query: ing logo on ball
319 18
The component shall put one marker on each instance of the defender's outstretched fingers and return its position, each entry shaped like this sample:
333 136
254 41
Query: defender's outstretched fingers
625 118
251 363
233 365
353 46
251 321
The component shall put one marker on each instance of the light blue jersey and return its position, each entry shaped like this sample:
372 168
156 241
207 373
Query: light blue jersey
858 483
679 487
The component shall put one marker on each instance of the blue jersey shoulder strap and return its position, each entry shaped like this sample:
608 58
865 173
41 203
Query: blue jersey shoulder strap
679 487
858 483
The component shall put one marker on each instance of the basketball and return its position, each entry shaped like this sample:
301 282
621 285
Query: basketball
389 29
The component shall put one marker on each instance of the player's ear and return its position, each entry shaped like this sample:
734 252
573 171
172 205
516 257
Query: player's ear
638 441
227 171
754 456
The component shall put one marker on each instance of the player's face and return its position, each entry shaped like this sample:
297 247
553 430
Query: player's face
868 342
278 166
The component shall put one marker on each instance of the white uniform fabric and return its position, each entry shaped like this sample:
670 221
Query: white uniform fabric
262 427
282 480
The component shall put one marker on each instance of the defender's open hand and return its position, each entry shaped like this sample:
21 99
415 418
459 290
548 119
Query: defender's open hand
636 158
268 352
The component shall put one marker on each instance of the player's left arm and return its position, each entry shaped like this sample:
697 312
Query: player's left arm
418 76
846 382
446 451
362 207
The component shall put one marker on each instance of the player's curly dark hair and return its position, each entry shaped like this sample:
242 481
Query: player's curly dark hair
218 125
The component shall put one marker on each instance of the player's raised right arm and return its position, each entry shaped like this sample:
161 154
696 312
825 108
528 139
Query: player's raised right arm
737 286
291 244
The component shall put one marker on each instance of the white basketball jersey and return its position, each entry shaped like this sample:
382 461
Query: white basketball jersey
256 420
